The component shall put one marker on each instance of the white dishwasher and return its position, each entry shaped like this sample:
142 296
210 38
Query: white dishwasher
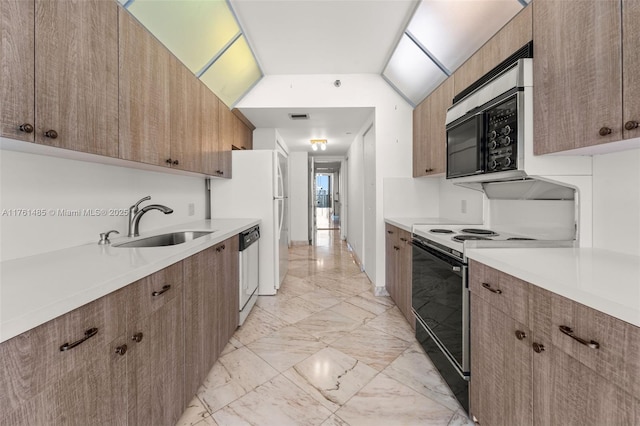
249 276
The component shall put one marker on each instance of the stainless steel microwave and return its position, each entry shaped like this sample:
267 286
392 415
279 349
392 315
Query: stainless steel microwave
486 129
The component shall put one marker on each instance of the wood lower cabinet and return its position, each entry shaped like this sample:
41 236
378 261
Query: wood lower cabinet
40 384
501 376
532 373
211 305
398 270
155 359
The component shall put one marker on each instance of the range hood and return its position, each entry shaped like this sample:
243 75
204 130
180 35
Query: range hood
517 185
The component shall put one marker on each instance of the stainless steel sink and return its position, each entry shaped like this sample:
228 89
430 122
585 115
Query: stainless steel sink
165 239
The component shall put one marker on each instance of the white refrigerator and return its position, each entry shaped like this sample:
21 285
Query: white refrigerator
259 189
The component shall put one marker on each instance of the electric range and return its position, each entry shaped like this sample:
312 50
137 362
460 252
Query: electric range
454 239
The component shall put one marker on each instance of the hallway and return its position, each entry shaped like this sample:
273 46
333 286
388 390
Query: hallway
324 351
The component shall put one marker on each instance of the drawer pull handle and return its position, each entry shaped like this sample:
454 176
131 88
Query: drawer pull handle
87 335
492 290
520 335
137 337
164 290
569 332
121 350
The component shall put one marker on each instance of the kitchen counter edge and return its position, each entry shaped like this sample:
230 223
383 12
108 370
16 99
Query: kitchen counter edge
37 289
601 279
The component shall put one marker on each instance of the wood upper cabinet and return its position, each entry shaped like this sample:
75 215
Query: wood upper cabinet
398 269
530 372
155 359
429 133
243 135
145 67
186 118
84 384
17 80
60 74
76 69
225 140
211 309
577 73
631 63
210 120
515 34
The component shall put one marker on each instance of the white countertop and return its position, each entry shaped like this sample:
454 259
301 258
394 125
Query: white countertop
407 223
601 279
36 289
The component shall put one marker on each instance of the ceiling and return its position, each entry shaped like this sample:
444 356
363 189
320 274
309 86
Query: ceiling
338 125
231 44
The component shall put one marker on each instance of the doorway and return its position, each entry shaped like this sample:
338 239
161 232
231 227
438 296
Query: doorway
327 208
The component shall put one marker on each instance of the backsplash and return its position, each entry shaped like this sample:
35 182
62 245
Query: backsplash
616 201
49 203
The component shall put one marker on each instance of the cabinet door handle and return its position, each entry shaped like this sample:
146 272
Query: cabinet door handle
165 288
630 125
520 335
51 134
219 249
428 170
176 162
121 350
137 337
404 240
604 131
492 290
168 161
87 335
396 248
26 127
537 347
569 332
389 232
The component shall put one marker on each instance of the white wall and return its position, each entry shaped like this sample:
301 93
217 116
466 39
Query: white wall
409 197
298 196
393 128
460 204
31 181
616 201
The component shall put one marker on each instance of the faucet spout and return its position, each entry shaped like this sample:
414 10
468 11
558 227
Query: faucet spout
136 214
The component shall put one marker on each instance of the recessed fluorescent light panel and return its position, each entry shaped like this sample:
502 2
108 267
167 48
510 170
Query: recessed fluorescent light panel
234 73
453 30
412 72
205 36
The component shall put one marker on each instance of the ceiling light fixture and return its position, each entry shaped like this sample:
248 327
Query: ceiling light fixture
315 143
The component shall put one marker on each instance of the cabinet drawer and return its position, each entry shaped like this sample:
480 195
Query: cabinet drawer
152 292
506 293
617 355
33 360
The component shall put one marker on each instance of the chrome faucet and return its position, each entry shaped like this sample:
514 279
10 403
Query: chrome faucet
135 214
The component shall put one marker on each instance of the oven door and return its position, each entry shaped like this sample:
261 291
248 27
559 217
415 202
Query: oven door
465 152
440 302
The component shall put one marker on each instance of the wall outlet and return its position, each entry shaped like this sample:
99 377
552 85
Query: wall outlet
463 206
192 209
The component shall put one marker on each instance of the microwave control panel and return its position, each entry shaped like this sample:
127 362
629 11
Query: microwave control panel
502 136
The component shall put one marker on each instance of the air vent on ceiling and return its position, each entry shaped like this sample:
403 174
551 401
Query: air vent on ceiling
299 116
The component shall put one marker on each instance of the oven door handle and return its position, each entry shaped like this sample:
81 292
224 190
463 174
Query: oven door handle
454 268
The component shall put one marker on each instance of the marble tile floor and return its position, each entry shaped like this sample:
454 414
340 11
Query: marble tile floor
324 351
